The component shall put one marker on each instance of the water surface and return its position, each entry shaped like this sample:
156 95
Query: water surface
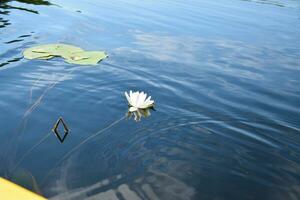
224 76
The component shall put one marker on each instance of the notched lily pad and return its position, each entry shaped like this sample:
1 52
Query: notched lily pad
70 53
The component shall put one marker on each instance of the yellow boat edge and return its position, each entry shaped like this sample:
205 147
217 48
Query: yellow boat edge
12 191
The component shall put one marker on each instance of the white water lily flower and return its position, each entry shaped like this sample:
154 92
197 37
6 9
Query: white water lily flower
139 104
137 100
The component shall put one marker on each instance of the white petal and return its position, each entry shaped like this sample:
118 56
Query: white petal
145 106
137 99
142 98
134 99
128 98
149 98
133 109
149 101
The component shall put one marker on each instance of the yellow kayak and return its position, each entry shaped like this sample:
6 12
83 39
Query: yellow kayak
11 191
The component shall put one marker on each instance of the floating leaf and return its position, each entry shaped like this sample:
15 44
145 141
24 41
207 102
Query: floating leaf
70 53
50 50
45 57
86 57
65 50
29 54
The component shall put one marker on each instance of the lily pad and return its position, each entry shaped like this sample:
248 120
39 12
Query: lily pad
49 50
45 57
29 54
86 57
70 53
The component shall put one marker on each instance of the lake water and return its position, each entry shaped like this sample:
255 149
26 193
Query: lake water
224 75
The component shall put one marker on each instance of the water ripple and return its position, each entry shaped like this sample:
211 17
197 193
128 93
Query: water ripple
224 76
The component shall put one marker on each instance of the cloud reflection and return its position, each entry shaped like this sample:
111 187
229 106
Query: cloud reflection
240 58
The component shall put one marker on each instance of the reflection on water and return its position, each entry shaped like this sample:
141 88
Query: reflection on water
5 10
153 185
270 2
280 3
224 75
26 179
8 7
5 7
35 2
139 114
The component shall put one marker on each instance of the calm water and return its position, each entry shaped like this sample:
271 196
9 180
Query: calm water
225 77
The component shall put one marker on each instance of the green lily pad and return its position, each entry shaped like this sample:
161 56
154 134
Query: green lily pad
29 54
49 50
86 57
45 57
70 53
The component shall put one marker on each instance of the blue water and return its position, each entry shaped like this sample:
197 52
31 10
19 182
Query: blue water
224 75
